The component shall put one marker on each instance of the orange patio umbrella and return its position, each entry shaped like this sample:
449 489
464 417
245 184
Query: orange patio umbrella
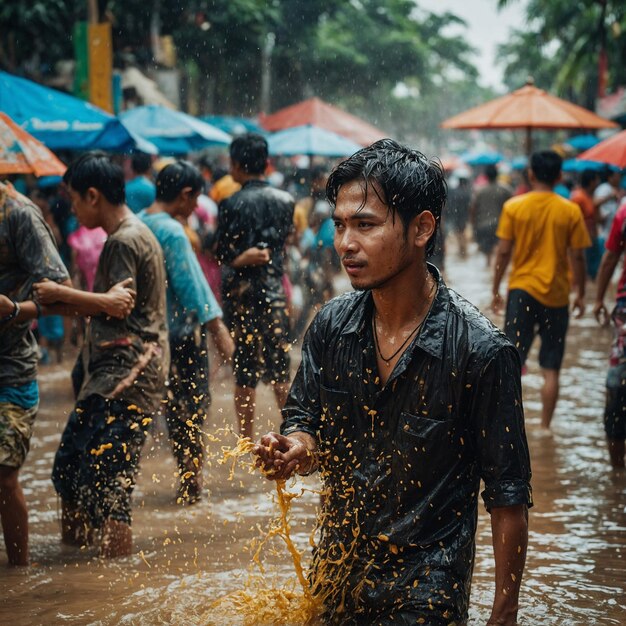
21 153
528 108
316 112
611 151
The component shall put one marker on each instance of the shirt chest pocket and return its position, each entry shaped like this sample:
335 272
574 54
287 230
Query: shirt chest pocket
423 445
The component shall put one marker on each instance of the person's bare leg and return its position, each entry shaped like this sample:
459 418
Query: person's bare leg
117 539
617 449
76 529
14 515
281 391
462 242
245 405
549 395
190 488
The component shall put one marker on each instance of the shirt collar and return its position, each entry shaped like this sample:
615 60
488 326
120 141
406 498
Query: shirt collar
430 338
253 182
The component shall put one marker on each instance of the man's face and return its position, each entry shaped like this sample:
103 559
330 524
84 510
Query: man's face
85 206
189 201
372 245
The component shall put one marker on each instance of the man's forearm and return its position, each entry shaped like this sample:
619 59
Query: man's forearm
607 267
76 302
502 262
221 337
509 528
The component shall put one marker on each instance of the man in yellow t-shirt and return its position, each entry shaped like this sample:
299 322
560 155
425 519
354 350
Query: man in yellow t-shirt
541 231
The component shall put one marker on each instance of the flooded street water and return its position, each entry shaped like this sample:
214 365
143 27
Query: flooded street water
186 558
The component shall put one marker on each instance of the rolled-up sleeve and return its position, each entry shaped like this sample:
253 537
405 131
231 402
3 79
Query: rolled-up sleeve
499 433
302 410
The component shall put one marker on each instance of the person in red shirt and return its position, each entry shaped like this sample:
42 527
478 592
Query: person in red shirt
615 413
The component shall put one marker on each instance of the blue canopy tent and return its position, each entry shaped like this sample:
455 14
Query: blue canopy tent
482 158
63 122
234 125
312 141
519 163
173 132
578 165
582 142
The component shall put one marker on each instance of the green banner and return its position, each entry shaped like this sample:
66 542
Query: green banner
81 54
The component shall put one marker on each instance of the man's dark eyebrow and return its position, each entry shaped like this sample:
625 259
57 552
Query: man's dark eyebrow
360 215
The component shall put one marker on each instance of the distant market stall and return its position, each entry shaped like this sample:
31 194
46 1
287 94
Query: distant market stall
63 122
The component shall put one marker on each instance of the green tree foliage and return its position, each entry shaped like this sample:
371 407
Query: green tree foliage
561 46
34 35
351 52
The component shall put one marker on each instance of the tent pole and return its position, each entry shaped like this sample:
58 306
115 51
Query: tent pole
529 141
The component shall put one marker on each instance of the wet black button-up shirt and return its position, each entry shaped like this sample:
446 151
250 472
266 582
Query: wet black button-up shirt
402 463
256 215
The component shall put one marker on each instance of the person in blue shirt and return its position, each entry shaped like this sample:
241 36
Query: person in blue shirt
140 191
192 312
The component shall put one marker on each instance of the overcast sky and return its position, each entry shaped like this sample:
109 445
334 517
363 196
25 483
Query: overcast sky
486 28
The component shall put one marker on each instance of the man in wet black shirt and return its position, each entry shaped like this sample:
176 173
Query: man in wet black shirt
405 399
253 225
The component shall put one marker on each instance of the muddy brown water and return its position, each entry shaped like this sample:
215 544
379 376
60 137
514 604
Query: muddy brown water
185 558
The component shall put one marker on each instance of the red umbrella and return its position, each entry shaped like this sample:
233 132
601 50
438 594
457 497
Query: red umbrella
528 108
611 151
316 112
21 153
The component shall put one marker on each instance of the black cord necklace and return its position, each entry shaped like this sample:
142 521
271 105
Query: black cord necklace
404 343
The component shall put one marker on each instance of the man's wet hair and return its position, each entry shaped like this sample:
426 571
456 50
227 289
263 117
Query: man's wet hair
405 180
175 177
97 170
141 162
250 152
491 172
587 177
546 166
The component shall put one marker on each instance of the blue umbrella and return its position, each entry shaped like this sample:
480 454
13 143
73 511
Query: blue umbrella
482 158
173 132
577 165
519 162
582 142
62 122
234 125
310 140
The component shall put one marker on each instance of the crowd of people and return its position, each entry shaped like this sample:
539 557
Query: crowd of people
406 396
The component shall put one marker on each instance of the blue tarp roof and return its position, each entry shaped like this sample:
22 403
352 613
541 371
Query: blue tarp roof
310 140
171 131
63 122
234 125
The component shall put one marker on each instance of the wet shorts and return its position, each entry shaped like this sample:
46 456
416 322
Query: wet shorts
98 458
16 429
615 409
527 317
486 238
262 343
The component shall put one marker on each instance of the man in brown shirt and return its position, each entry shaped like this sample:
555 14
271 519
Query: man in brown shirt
28 254
124 364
